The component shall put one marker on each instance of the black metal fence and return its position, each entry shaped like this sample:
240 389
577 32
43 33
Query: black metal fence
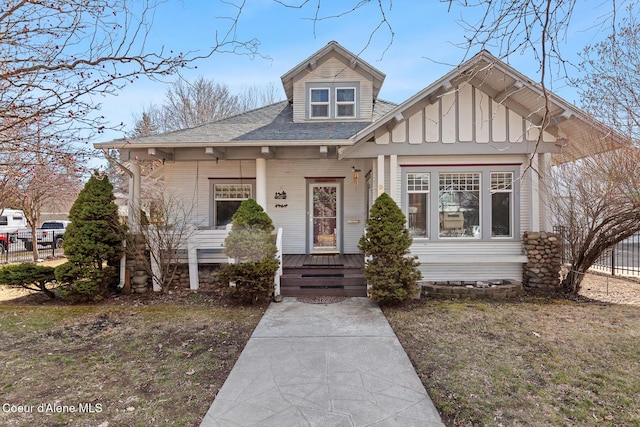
623 259
18 247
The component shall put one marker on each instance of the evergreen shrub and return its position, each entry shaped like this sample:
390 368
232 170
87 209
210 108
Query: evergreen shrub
93 241
391 273
251 243
29 276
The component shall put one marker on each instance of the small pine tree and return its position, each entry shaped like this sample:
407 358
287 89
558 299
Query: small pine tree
92 240
252 243
393 275
29 276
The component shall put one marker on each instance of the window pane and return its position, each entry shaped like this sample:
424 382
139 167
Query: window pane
224 212
319 95
319 111
418 218
345 95
459 205
501 200
417 182
501 214
227 199
346 110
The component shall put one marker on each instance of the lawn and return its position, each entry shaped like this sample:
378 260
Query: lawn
526 363
131 361
160 359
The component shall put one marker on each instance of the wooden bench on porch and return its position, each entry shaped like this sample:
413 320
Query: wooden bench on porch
206 246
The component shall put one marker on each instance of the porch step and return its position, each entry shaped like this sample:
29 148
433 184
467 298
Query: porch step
327 284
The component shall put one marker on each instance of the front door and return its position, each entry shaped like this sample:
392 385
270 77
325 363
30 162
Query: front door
324 218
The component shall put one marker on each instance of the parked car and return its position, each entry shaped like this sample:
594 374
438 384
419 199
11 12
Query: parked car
11 221
50 233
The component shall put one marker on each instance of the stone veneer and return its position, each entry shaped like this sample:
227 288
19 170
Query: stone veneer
207 274
491 289
544 251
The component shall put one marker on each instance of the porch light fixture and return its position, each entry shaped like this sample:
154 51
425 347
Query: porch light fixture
356 175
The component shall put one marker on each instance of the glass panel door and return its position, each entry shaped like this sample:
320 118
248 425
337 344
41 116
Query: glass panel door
324 215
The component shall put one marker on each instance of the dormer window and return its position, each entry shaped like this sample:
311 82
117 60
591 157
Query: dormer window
332 101
346 102
319 103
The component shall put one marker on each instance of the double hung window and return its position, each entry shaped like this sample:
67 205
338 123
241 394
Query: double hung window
345 102
418 203
226 200
501 203
319 103
332 102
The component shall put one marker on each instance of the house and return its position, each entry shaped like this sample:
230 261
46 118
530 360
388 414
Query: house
466 159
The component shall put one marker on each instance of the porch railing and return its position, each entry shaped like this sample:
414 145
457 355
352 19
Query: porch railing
207 246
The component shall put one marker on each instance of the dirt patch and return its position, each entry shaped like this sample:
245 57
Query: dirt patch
130 360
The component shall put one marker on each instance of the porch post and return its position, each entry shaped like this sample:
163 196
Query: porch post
393 178
546 222
535 193
134 197
261 182
380 177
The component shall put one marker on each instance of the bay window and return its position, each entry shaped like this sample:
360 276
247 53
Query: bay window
466 204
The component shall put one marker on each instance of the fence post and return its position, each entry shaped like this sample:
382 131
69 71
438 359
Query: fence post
613 261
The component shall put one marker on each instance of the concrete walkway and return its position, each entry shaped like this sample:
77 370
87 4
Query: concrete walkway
323 365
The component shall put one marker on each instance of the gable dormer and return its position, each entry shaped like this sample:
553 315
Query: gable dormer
333 84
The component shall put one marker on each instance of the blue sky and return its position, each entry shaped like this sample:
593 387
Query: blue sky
423 49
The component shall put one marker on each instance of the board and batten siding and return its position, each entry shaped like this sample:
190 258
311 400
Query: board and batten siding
333 70
463 115
289 176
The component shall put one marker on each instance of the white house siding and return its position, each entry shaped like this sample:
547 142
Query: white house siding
189 181
289 176
469 260
333 70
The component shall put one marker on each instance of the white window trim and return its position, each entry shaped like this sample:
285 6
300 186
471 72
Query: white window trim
480 204
327 103
338 103
226 181
511 204
485 200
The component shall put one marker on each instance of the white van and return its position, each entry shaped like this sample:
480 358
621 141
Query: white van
12 220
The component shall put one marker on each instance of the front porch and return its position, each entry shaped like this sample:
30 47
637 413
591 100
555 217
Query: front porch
323 275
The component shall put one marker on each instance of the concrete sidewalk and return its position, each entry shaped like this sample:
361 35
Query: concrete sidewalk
323 365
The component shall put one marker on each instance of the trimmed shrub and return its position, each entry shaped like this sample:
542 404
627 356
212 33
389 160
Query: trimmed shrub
93 241
392 275
29 276
252 243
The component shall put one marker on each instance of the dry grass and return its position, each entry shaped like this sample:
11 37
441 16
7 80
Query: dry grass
137 362
160 360
529 362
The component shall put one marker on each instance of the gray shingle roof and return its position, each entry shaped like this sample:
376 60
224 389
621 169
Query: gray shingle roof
271 123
